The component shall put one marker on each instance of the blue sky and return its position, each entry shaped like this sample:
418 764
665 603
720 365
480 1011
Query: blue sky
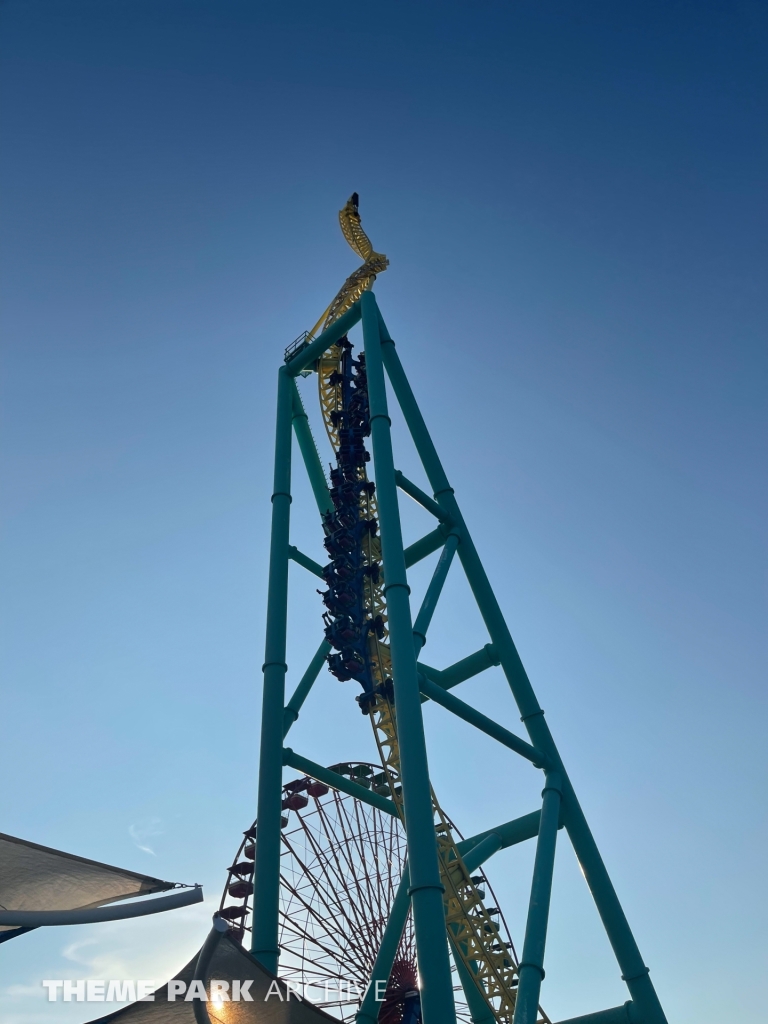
572 198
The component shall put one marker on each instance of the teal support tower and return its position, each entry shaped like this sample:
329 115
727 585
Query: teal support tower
371 637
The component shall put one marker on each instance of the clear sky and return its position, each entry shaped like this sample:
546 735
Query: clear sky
572 196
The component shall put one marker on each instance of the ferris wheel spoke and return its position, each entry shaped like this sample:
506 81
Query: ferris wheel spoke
321 859
393 837
360 830
332 906
324 941
359 911
323 974
321 922
321 856
348 839
381 908
338 956
336 959
392 847
386 845
359 925
349 835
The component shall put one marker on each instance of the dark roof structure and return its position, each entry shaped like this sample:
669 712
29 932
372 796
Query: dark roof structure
270 998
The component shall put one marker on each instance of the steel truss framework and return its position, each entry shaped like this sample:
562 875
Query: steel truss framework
430 864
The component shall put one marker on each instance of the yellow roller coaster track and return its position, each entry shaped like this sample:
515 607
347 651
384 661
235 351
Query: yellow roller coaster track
473 933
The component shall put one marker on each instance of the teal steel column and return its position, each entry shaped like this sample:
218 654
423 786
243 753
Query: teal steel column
390 940
266 878
634 971
426 888
532 962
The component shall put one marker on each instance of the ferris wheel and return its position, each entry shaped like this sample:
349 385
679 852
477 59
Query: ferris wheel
341 864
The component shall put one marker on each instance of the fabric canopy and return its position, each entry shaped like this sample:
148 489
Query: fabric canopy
35 877
230 961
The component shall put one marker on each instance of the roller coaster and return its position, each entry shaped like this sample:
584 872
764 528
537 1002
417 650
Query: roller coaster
356 869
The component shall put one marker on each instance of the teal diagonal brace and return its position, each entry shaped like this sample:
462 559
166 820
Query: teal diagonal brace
419 496
509 834
425 546
293 707
482 851
432 596
625 1014
306 357
479 1010
339 782
305 561
390 940
426 888
462 670
309 452
537 757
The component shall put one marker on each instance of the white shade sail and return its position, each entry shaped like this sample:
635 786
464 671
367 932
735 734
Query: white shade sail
37 878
